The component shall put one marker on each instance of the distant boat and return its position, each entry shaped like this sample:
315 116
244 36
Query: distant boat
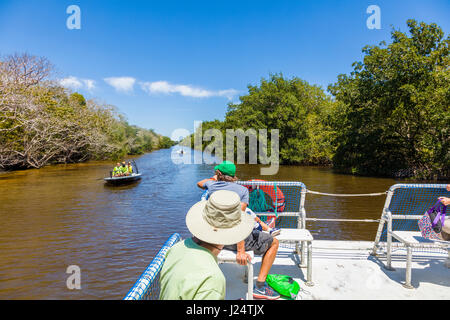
124 179
135 176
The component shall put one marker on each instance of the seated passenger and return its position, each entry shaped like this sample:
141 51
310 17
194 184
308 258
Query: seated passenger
124 169
130 168
222 182
445 228
260 242
190 270
117 171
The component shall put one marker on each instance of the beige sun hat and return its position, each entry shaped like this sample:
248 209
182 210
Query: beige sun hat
219 220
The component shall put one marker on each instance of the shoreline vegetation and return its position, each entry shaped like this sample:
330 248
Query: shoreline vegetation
388 118
43 123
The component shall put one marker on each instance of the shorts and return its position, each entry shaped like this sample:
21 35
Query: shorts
258 242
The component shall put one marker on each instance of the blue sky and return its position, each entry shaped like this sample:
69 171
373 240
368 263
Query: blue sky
165 64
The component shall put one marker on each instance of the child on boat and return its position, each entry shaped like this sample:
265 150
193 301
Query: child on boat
242 192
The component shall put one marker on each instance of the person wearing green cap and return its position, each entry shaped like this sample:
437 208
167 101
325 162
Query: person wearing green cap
224 180
259 242
227 168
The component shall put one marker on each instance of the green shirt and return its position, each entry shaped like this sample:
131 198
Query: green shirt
123 169
191 272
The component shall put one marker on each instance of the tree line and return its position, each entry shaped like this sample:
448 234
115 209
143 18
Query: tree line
389 117
43 123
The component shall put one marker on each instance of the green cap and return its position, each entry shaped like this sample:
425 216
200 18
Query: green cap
227 167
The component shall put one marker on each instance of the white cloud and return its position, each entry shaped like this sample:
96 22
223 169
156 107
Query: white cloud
229 93
90 84
76 83
164 87
71 82
122 84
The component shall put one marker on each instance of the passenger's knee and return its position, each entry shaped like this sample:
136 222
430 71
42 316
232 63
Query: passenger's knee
275 243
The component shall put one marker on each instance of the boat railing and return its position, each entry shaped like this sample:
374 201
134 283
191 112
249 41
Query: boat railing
405 204
147 286
408 202
286 201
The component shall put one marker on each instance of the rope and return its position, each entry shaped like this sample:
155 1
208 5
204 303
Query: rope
276 201
258 202
348 195
343 220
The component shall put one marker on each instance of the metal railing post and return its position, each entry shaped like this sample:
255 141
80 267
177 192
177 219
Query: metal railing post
383 220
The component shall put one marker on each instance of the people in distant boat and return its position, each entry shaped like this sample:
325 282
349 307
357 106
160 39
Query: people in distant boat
117 171
261 243
190 270
130 168
124 169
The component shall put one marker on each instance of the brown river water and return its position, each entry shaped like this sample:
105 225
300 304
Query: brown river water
65 215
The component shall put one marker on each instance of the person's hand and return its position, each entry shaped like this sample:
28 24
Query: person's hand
214 178
445 201
448 187
242 258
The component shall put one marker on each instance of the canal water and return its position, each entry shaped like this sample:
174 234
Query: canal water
64 215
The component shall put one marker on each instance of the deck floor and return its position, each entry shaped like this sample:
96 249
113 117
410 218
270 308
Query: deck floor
345 270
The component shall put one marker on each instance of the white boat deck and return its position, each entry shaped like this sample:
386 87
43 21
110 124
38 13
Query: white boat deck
343 270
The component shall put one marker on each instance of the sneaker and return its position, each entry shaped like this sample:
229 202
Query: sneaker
274 232
265 292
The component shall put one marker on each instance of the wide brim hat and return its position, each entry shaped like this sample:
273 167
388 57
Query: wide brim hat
219 220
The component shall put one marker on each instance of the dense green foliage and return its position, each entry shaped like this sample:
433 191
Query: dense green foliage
43 123
301 112
394 108
389 117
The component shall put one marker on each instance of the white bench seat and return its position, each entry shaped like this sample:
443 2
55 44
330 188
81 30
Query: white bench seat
414 239
294 235
299 236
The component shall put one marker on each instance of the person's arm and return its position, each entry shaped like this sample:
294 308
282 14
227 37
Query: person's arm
241 256
445 201
201 184
264 226
244 199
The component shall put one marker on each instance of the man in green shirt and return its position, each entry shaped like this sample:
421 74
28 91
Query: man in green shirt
117 171
124 169
190 271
